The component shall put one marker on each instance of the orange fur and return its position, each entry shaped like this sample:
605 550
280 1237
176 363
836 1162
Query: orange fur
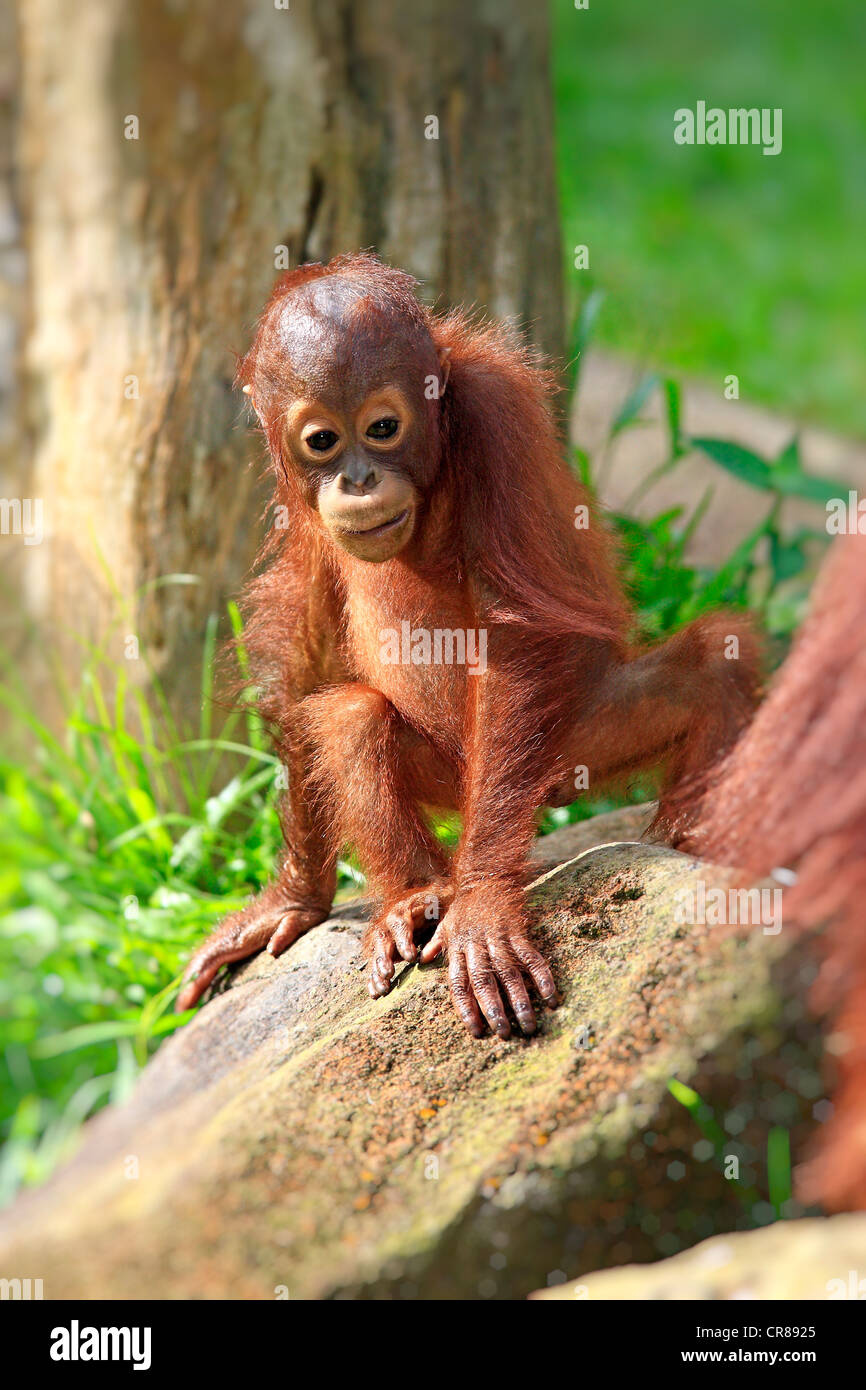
793 795
495 548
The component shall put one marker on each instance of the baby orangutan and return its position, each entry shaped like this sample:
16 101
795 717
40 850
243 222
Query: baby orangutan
424 513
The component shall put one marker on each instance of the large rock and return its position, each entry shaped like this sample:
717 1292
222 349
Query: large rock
818 1259
297 1135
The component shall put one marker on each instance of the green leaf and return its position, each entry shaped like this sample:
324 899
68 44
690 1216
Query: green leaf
674 416
207 672
789 459
581 334
784 476
726 576
740 462
587 319
634 403
58 1043
808 487
779 1167
791 480
684 1094
582 465
787 557
144 808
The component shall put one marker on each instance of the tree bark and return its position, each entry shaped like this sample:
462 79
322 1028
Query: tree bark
13 470
257 129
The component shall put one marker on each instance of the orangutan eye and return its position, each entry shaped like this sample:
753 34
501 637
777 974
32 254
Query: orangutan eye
385 428
321 441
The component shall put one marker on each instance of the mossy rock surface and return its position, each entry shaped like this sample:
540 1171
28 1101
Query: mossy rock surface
298 1135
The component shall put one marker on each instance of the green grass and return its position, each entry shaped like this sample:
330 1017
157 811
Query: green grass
718 259
779 1185
123 844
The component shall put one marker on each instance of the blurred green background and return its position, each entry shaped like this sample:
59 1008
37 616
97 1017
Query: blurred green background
720 259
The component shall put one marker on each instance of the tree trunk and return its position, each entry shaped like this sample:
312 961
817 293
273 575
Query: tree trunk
13 469
168 153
